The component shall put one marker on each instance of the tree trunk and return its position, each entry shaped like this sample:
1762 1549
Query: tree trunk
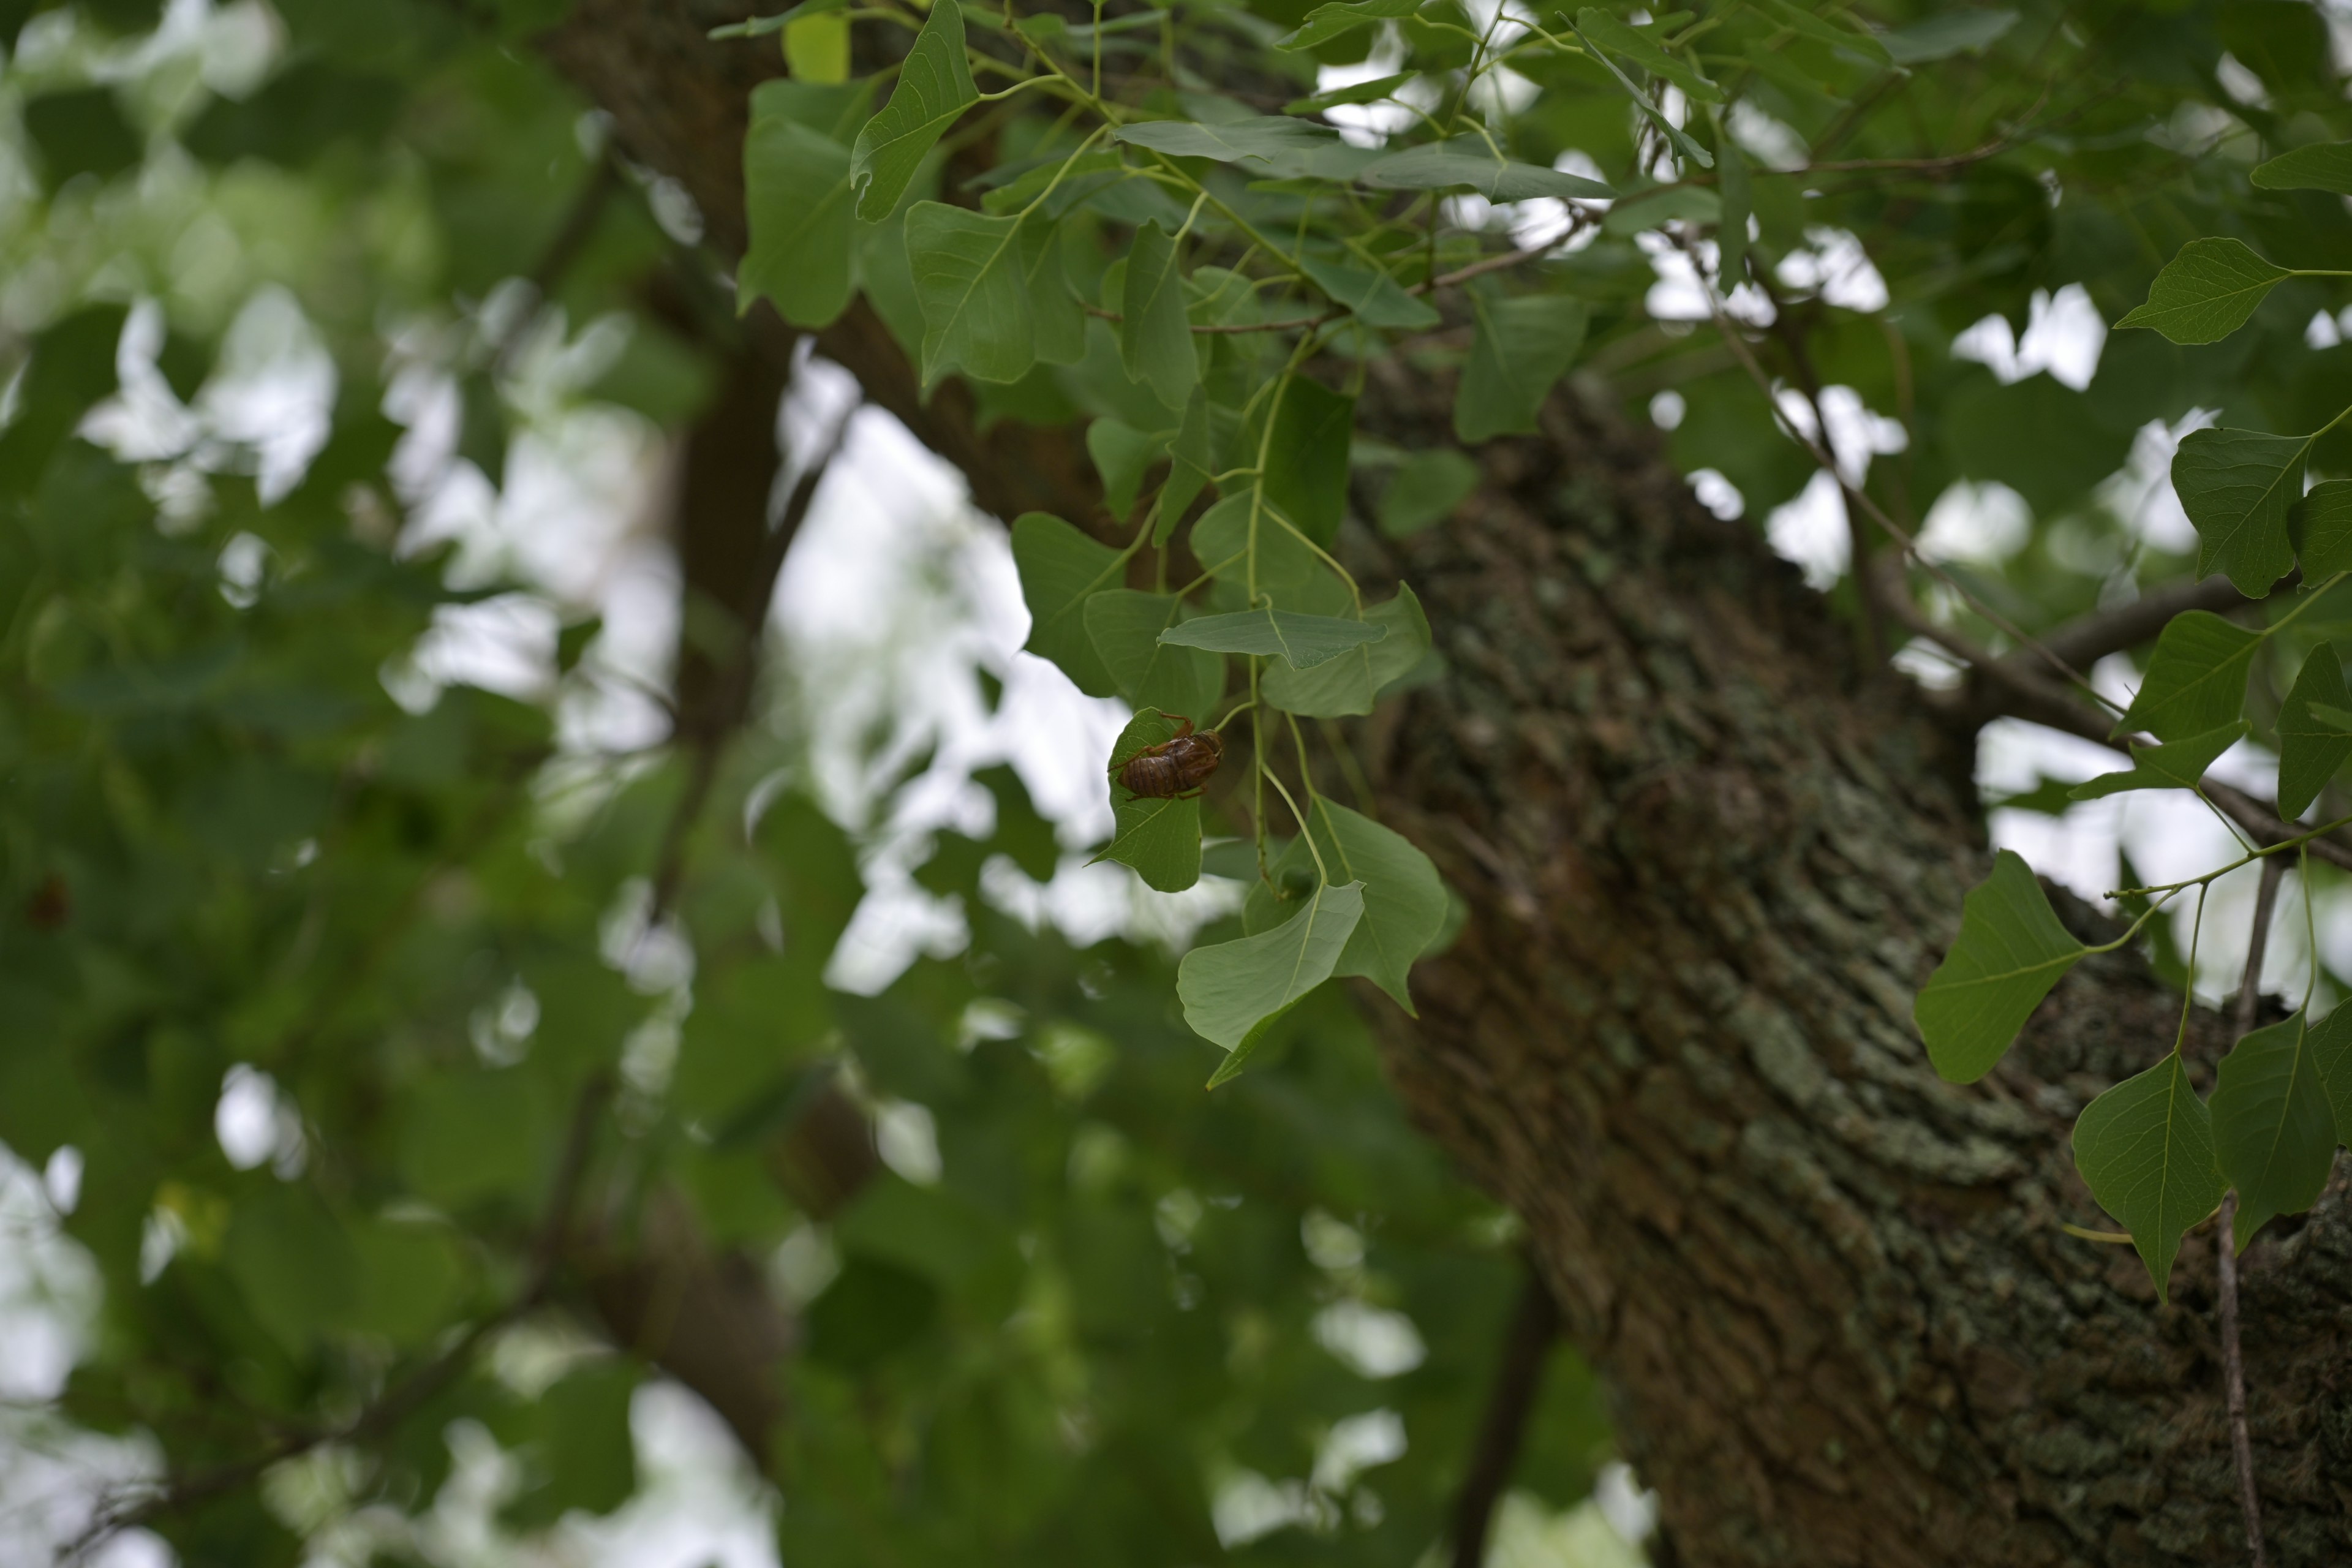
1709 858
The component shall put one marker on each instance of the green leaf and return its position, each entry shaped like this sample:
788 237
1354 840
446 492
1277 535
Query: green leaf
1623 39
1737 202
2331 1055
1059 567
1058 321
816 48
1155 335
1964 30
1665 205
1304 641
934 88
1824 31
2206 292
1326 23
2325 167
1126 626
1234 991
2178 765
1404 902
2327 529
1287 570
1472 161
2010 951
1374 298
797 202
2236 487
1307 461
1351 683
1520 348
1426 487
2146 1150
1673 132
761 26
1160 839
1121 453
1370 92
2274 1132
2196 679
1268 139
1188 461
970 278
296 1266
2313 741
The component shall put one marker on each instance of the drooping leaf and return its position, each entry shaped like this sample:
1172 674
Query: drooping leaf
1373 298
1737 203
935 87
2312 742
1188 466
1304 641
2236 487
1349 683
2274 1132
1126 626
1059 568
1682 143
974 293
2206 292
1121 453
1404 902
2178 764
1371 92
2330 1043
2327 530
1521 347
1307 460
1326 23
1964 30
797 202
2010 951
1472 161
1424 489
2324 167
1667 204
1160 838
2146 1150
1621 38
1155 334
1848 37
2196 680
1267 140
1234 991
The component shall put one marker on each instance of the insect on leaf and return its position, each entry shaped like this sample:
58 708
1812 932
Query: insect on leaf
1160 838
2236 487
2010 951
1351 683
935 87
2206 292
1155 335
2313 742
2327 529
1059 568
2325 167
1520 348
1304 641
2176 765
2196 679
2145 1149
1126 626
2273 1130
1234 991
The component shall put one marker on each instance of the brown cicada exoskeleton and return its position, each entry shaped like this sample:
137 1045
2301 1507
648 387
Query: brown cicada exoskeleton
1177 767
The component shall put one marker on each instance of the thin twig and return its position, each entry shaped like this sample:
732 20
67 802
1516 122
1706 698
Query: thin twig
1535 1324
2225 1236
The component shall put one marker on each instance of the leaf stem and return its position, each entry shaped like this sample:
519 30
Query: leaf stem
1306 830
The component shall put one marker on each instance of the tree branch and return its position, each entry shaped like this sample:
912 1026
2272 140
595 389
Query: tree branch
2085 640
1535 1324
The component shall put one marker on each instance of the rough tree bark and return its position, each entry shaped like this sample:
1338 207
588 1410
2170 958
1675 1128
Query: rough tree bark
1709 860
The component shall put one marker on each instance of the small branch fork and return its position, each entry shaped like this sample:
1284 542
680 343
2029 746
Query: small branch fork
2225 1234
403 1399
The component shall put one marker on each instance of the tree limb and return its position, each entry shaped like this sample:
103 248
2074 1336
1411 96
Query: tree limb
2085 640
1534 1325
2225 1236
